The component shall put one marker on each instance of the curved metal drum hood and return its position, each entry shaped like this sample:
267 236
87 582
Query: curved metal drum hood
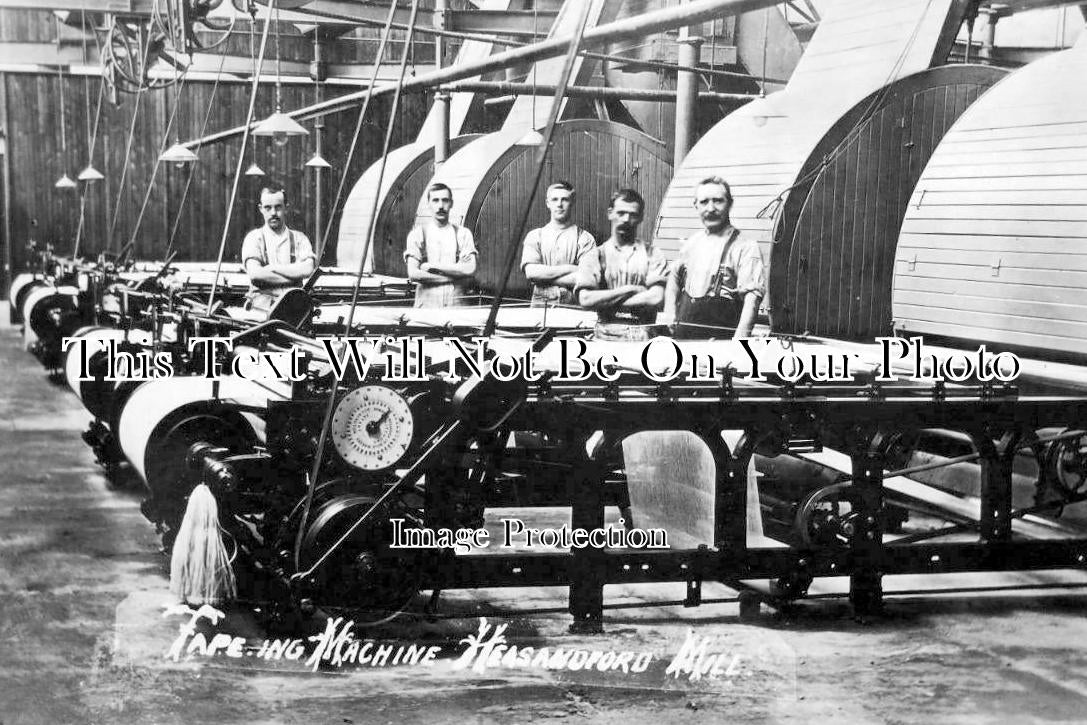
761 148
993 247
408 171
833 258
490 179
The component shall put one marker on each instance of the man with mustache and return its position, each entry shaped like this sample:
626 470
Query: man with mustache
440 255
716 283
624 278
275 257
552 252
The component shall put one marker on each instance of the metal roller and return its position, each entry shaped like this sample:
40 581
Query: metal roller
96 395
153 402
20 288
36 310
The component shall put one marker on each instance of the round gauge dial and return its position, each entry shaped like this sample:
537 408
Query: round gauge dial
372 427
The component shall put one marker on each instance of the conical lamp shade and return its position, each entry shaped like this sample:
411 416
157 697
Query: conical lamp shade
532 138
254 170
318 162
65 182
280 127
90 174
178 154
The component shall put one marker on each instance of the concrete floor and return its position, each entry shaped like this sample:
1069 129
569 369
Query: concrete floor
84 639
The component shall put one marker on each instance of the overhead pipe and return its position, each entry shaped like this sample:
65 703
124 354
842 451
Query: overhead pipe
505 88
647 24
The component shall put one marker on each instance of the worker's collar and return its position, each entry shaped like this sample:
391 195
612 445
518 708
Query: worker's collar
278 236
633 245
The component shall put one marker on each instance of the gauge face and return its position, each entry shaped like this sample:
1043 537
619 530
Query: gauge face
372 427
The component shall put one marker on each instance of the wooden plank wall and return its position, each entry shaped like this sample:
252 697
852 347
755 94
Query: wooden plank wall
34 151
597 157
407 176
833 262
48 215
860 46
994 244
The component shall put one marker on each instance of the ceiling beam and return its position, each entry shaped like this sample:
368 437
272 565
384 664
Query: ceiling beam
502 88
638 26
506 22
335 12
1010 7
46 54
120 7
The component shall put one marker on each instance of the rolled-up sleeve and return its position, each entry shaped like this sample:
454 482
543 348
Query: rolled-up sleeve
590 274
532 254
656 271
466 245
252 248
303 247
750 271
414 246
586 243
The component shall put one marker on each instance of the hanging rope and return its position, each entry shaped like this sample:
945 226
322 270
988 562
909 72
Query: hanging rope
92 135
326 425
192 167
241 155
124 166
158 162
386 32
773 207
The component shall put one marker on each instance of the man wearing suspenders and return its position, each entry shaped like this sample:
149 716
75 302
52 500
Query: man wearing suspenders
552 252
716 283
275 258
440 256
623 279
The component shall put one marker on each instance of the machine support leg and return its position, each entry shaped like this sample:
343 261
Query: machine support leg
865 585
730 495
996 484
586 569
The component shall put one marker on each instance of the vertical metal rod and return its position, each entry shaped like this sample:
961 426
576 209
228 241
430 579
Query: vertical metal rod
441 99
989 44
241 155
686 95
318 132
5 173
969 36
318 196
441 138
541 157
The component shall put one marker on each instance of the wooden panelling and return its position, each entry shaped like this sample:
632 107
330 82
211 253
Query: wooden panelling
859 47
834 259
994 242
490 179
408 171
1009 277
28 26
530 111
47 215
